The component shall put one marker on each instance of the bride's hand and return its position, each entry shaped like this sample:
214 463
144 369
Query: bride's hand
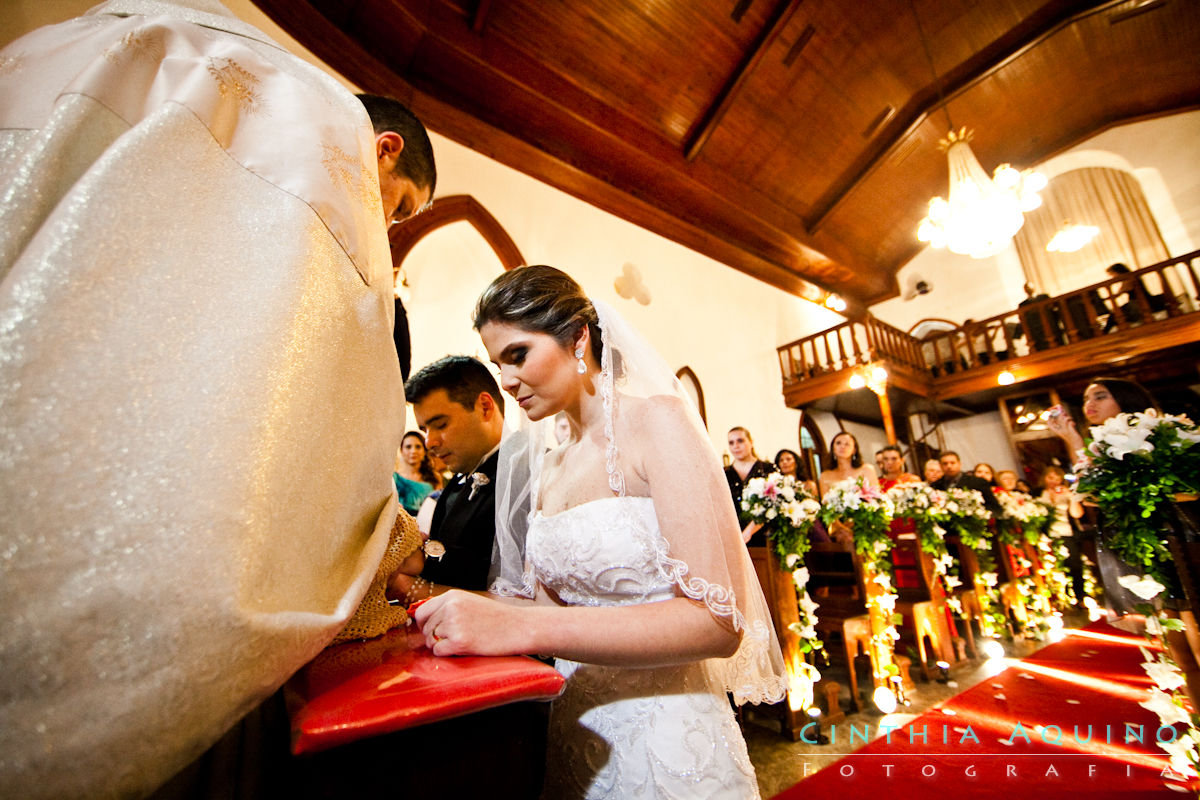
462 623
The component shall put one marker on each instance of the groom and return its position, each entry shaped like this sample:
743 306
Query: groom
459 407
501 751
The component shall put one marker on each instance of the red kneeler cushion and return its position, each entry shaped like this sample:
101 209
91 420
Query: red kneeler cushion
359 689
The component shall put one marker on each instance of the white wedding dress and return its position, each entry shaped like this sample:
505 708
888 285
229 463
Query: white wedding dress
623 732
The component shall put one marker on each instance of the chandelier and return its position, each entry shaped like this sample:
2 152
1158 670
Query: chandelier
1071 238
982 214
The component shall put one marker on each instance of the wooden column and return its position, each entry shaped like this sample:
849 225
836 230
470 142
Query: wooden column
885 410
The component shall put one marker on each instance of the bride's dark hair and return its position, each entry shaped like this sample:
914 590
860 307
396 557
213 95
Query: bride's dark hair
540 299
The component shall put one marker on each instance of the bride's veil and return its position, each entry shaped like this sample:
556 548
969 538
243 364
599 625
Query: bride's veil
702 555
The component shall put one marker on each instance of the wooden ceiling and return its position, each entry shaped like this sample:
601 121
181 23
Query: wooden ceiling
794 140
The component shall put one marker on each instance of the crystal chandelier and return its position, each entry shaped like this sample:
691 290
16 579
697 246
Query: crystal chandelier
982 214
1072 238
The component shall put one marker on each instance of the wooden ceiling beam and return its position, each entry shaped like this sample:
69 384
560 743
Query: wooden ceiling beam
479 20
728 94
1038 27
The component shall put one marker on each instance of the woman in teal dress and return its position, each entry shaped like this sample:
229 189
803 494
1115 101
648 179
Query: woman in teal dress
415 477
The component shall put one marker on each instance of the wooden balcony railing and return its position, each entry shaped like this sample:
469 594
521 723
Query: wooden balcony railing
1164 291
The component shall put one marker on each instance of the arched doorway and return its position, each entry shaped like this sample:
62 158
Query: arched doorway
441 260
445 211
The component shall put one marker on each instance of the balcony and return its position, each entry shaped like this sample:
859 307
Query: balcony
1147 319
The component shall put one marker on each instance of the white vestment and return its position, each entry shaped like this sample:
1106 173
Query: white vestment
200 399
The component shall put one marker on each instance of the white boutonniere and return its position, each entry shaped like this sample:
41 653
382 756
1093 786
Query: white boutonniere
477 479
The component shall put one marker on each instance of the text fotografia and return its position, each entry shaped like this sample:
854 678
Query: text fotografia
1054 735
1030 766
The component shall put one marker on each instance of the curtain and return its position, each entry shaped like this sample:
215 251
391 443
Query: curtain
1111 200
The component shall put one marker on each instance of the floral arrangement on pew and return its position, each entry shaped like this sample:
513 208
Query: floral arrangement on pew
926 507
869 512
1025 518
1025 524
1135 468
1168 697
787 511
967 516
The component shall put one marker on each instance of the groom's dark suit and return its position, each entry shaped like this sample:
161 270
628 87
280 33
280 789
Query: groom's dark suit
466 526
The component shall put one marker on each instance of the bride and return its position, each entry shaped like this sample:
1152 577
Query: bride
619 553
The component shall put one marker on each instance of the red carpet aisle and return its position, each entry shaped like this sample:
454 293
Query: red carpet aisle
1051 726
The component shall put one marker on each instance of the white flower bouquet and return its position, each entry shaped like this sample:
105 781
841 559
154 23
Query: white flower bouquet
1024 517
781 504
1136 465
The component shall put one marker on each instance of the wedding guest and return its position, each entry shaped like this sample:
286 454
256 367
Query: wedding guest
788 462
893 468
414 476
932 471
848 463
745 465
904 560
984 471
1039 326
1103 399
1133 298
1067 508
954 477
193 283
648 658
1057 493
1006 479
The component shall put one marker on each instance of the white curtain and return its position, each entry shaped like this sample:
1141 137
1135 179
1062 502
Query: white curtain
1110 199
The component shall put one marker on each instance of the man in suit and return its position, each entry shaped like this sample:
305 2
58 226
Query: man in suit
954 477
458 405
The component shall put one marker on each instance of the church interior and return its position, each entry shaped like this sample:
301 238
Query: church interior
745 181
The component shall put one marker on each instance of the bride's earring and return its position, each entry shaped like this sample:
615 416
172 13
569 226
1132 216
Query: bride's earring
579 355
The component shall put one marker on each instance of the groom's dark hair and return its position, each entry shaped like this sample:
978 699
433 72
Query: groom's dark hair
464 379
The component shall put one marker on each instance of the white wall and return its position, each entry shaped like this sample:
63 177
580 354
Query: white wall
980 438
1162 155
702 314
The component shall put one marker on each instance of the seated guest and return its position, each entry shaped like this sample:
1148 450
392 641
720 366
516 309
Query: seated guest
1132 297
1033 323
457 403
